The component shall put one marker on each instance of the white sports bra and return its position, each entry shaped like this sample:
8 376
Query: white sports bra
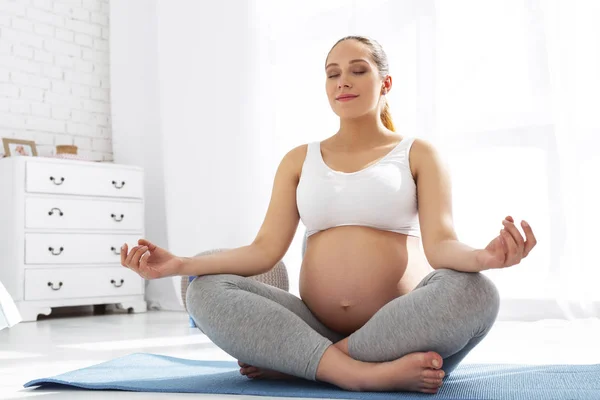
382 195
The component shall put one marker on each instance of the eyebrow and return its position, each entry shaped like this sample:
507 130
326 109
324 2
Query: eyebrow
351 62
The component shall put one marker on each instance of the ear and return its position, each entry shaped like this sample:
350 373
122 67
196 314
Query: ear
386 84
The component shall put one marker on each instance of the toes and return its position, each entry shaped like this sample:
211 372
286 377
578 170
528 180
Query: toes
248 370
433 373
432 382
430 385
433 360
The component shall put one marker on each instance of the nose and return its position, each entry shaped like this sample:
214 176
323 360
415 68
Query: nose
343 81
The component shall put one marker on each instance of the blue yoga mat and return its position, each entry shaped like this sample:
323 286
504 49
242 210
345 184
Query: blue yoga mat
142 372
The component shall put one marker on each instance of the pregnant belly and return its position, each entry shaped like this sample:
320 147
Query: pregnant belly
348 273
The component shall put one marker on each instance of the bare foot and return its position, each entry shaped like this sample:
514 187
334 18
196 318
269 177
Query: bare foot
253 372
415 372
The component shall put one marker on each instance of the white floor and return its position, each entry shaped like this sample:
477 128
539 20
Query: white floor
58 344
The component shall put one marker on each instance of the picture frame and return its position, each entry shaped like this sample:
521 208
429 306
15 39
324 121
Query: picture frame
18 147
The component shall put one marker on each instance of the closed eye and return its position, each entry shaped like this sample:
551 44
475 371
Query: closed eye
357 73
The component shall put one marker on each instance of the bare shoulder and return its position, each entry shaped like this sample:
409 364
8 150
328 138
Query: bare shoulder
294 159
423 154
299 152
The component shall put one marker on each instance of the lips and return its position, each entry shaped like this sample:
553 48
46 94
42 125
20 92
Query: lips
346 96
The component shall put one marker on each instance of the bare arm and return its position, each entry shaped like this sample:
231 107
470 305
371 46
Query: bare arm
243 261
274 237
434 193
442 247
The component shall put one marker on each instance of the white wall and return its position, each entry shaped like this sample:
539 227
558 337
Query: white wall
186 108
137 138
54 75
217 155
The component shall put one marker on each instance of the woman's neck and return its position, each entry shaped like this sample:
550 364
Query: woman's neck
361 133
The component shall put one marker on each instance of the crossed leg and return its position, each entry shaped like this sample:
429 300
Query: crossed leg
448 313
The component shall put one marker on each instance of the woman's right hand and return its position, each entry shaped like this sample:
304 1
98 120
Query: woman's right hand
150 261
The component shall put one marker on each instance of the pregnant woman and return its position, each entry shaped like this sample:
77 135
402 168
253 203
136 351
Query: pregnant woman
376 311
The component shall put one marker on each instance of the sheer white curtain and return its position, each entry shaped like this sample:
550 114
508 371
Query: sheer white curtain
516 109
507 90
573 55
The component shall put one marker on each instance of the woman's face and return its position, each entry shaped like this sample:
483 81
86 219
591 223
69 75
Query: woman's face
350 70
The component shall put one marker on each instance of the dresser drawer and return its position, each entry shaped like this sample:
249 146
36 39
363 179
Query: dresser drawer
68 283
56 248
83 180
50 213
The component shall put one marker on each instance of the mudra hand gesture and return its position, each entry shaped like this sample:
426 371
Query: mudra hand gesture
508 248
150 261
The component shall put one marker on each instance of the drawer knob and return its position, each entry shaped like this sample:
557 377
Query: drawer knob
51 250
116 184
56 182
51 212
52 285
115 283
114 250
115 217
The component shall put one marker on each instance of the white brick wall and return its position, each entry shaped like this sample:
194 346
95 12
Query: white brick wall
54 74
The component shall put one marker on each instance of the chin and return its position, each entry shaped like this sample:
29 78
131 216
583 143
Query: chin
352 115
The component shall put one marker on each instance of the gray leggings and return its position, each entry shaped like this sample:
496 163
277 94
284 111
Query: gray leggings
449 312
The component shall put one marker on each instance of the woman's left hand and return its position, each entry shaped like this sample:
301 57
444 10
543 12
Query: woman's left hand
507 249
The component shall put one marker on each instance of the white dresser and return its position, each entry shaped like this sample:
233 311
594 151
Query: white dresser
62 224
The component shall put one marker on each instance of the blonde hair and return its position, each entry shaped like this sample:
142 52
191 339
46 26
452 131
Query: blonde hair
380 59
